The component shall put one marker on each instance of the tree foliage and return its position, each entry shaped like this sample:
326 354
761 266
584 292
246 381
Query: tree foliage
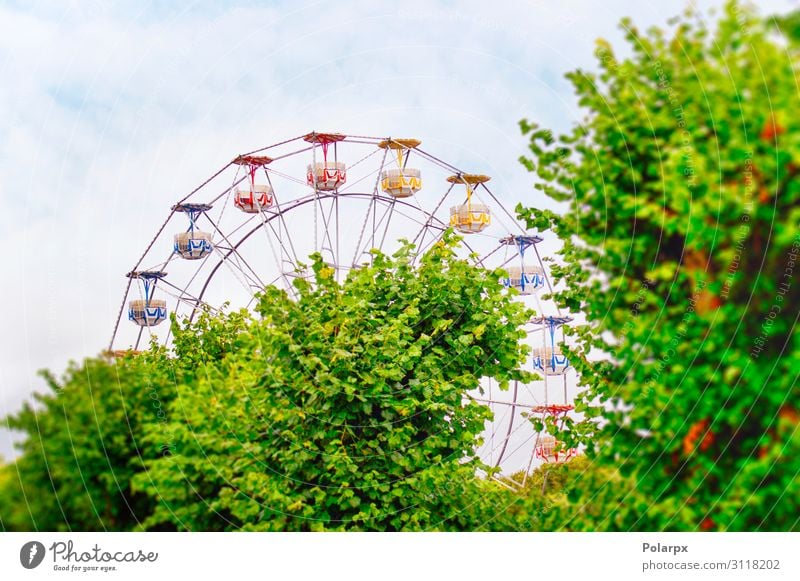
83 445
346 409
680 239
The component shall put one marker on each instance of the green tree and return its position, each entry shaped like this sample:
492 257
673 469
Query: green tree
84 437
346 408
83 446
680 245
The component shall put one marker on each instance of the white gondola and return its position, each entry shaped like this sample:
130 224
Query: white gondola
147 313
254 199
401 183
550 361
193 245
326 175
470 218
548 450
526 280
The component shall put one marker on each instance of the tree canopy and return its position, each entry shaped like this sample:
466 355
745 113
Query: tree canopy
681 235
347 408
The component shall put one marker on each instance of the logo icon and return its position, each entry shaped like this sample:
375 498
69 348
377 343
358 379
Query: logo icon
31 554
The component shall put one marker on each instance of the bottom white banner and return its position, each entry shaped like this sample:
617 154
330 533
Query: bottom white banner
423 556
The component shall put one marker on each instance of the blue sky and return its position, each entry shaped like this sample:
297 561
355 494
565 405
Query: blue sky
109 111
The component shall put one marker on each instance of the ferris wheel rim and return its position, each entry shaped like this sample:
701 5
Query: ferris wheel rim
314 197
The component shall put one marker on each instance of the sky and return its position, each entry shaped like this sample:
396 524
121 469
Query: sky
109 112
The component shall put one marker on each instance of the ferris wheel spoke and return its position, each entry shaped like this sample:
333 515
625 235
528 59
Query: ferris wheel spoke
500 445
283 229
185 297
237 256
423 246
391 208
357 254
524 443
292 154
489 446
138 339
483 259
439 162
248 286
365 140
165 264
205 183
226 192
352 185
546 277
386 227
280 256
432 214
280 262
119 315
370 212
510 424
329 222
508 214
288 177
530 459
242 226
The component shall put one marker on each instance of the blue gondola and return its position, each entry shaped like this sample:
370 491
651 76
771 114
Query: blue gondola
147 312
192 244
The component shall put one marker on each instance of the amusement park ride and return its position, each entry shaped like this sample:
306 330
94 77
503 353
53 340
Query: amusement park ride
254 222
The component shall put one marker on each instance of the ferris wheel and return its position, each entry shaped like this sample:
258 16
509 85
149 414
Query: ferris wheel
256 220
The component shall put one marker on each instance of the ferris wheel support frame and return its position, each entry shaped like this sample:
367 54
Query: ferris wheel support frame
326 212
